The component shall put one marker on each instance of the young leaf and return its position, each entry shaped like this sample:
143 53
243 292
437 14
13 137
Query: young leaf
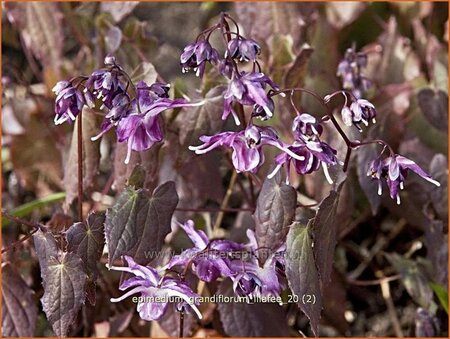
19 309
241 319
46 248
302 274
91 156
434 107
415 281
275 210
146 159
138 223
442 295
323 230
87 240
64 284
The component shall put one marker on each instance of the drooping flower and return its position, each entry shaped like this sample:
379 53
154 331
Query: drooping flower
69 102
247 145
306 126
106 85
260 112
252 280
248 89
314 153
395 170
243 49
151 286
209 258
196 55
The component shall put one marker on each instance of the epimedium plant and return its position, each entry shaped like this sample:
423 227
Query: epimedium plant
286 258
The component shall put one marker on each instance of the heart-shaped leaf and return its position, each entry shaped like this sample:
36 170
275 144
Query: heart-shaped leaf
138 222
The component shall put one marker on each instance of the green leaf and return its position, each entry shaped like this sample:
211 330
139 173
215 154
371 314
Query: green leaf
302 274
28 208
275 211
19 309
64 286
442 295
138 222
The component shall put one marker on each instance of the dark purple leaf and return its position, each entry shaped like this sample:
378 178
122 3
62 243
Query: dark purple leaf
434 106
275 210
91 156
206 119
369 186
323 231
302 274
138 222
241 319
170 322
46 248
413 278
87 240
19 309
437 249
64 286
295 75
147 159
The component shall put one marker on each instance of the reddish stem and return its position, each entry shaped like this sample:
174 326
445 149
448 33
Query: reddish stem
80 166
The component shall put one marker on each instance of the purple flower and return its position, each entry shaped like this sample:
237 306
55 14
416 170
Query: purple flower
252 280
395 170
209 259
69 102
105 85
360 110
243 49
247 145
306 126
248 89
260 112
196 55
139 123
226 68
314 154
151 285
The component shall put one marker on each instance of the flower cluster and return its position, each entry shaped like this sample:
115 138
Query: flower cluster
209 260
136 118
350 72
